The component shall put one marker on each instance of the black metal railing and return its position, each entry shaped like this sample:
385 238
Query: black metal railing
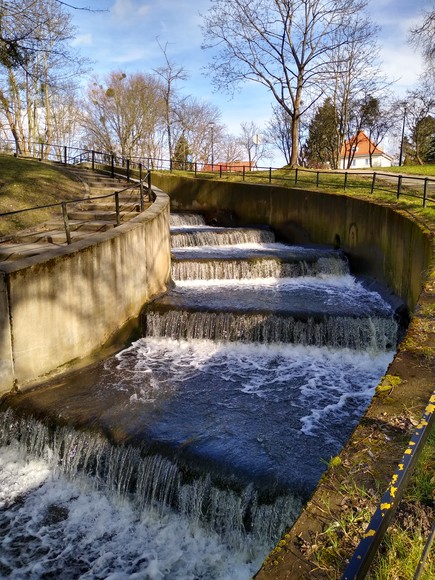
415 187
118 208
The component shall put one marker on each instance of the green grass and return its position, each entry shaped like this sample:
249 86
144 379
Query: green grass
405 540
428 170
26 183
401 549
357 184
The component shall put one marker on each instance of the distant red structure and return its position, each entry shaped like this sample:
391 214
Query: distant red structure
232 166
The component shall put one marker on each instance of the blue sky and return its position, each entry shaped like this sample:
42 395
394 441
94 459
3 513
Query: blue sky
124 37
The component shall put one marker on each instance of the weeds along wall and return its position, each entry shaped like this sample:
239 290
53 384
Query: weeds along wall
380 242
58 309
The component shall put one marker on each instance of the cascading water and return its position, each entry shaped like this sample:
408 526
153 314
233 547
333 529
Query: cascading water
187 454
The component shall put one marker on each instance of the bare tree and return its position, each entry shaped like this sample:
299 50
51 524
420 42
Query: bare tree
199 122
354 77
419 114
36 62
423 37
252 141
229 149
125 115
285 45
170 73
278 132
65 115
25 25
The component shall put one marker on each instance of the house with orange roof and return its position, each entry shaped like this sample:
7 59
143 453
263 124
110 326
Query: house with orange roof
359 148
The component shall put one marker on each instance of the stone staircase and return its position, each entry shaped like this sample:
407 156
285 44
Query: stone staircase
86 217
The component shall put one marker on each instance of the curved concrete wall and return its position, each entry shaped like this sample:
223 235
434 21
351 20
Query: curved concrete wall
63 307
379 242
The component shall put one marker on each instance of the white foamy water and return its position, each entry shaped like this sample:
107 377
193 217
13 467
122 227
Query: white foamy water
325 385
259 416
186 219
54 528
275 247
325 281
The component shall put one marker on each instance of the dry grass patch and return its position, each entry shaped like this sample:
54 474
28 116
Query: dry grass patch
26 183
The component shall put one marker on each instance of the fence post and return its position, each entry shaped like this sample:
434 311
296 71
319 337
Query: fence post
128 169
170 166
270 174
220 171
296 176
65 155
399 186
66 222
196 167
118 221
373 182
150 193
93 159
317 179
112 162
345 181
425 191
243 173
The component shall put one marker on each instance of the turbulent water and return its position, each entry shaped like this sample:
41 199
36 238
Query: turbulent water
202 439
53 527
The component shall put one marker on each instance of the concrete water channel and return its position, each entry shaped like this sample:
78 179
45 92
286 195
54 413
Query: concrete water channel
252 372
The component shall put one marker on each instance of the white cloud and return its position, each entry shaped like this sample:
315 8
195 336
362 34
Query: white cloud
128 11
82 40
132 55
401 64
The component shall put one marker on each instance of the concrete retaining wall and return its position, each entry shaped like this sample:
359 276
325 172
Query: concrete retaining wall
66 306
380 243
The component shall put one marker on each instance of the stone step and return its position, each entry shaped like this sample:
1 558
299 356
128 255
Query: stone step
100 214
109 205
10 252
86 217
90 226
92 215
89 175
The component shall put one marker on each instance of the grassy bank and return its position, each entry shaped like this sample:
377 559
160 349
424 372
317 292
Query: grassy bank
358 183
26 183
427 170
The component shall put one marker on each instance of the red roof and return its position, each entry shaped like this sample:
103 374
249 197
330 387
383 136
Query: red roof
362 144
231 166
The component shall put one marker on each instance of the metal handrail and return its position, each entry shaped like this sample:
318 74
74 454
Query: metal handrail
363 556
63 204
